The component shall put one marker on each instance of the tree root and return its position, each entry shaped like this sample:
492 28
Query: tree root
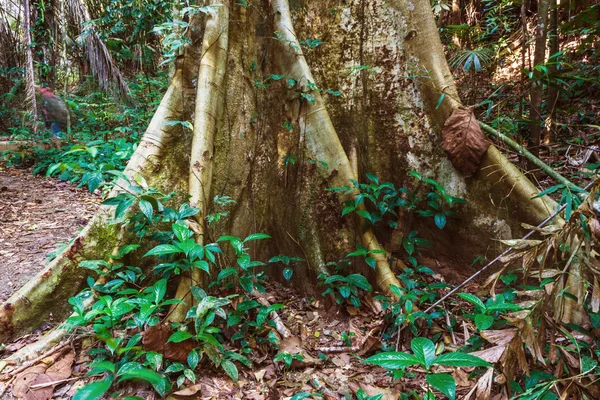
322 141
209 103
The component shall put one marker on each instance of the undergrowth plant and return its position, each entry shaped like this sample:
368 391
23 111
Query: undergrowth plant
425 355
129 300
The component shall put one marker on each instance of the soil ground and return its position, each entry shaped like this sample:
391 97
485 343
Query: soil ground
37 214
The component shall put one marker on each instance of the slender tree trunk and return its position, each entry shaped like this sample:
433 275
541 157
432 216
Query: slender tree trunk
552 90
537 86
29 71
65 62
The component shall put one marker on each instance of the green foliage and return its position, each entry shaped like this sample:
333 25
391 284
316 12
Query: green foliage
377 201
129 301
415 292
103 137
288 358
485 314
344 288
569 195
424 355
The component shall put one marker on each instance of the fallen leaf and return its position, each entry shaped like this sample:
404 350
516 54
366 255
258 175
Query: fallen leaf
461 377
32 376
484 385
491 355
499 337
189 391
463 141
260 374
62 368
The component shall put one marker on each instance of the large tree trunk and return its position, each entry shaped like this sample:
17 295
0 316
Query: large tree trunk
385 123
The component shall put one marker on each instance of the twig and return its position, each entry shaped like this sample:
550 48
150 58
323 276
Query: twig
504 253
6 386
48 384
48 353
316 382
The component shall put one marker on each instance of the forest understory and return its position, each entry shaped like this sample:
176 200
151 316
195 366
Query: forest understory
273 199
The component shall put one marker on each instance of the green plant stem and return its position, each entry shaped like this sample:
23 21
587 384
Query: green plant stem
527 154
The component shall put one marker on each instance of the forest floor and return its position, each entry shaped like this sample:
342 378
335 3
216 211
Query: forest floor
37 215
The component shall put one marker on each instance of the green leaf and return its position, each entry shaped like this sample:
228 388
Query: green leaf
371 262
393 360
182 233
146 209
440 220
231 369
424 350
287 273
93 390
483 321
193 359
179 336
257 236
471 298
345 291
444 383
440 100
460 360
163 249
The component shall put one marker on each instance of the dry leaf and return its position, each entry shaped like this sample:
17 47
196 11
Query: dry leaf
491 355
155 339
190 390
32 376
461 377
62 368
499 337
484 385
463 141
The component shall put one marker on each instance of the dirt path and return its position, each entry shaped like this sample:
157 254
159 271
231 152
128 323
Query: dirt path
36 215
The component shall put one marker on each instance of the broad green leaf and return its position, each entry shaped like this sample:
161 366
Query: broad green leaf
163 249
231 369
483 321
146 209
179 336
94 390
424 350
287 273
440 220
471 298
257 236
444 383
393 360
345 291
461 360
182 233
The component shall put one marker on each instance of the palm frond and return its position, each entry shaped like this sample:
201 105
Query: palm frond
102 64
